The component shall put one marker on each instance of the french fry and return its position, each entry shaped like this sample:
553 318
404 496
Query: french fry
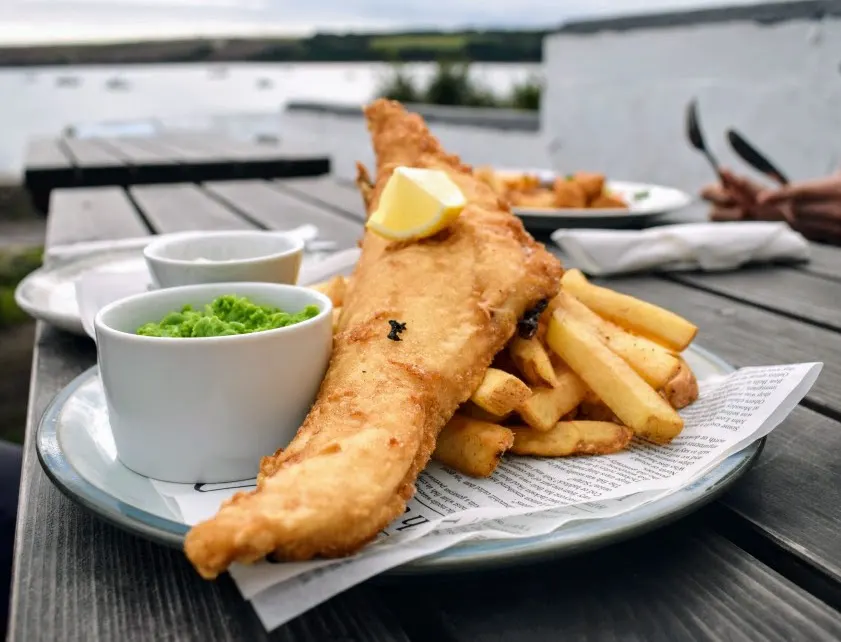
641 317
337 312
635 403
651 361
532 361
546 406
500 393
472 447
572 438
682 390
334 288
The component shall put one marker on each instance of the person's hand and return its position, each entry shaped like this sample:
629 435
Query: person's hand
815 206
737 199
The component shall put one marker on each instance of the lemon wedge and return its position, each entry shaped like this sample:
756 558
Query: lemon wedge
416 203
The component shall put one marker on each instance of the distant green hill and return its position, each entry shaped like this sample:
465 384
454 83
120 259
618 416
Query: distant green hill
466 46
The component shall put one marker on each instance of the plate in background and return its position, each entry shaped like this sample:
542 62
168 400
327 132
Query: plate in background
646 202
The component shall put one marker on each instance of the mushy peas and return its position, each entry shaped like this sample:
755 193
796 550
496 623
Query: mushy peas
225 316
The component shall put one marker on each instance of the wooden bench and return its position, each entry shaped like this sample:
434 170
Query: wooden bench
52 163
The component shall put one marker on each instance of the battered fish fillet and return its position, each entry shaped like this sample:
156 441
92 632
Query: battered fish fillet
353 464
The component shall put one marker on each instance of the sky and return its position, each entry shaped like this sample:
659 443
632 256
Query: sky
31 21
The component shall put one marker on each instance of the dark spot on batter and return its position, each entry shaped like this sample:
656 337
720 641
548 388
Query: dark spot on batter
527 326
396 329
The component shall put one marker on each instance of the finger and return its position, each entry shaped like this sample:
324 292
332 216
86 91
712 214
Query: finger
770 213
742 190
805 190
717 195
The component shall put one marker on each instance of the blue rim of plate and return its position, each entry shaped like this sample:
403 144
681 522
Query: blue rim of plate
578 537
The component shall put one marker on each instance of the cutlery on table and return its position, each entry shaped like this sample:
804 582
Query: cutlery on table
754 157
696 136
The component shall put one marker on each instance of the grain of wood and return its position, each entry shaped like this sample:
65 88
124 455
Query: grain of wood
793 493
276 210
92 214
791 292
45 153
136 152
326 191
194 150
825 260
87 153
184 206
680 583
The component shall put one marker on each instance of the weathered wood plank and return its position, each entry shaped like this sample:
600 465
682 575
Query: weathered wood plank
45 153
246 150
792 496
680 583
46 165
213 148
87 153
190 150
183 206
136 151
91 214
275 210
326 191
825 261
791 292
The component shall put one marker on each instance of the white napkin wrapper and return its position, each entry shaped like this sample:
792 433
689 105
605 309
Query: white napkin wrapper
692 246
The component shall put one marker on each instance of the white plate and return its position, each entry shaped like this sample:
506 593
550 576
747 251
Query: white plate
645 202
76 449
49 293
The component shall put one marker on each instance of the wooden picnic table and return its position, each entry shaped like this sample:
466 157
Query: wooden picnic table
171 157
763 562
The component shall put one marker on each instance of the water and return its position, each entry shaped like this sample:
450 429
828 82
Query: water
243 99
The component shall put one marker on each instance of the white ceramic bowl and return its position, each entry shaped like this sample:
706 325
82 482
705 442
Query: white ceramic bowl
197 410
217 257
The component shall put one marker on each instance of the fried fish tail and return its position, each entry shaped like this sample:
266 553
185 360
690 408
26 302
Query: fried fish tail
353 464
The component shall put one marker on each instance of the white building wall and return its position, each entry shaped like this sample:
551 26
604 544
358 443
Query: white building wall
615 101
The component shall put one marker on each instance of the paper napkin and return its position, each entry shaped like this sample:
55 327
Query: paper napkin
691 246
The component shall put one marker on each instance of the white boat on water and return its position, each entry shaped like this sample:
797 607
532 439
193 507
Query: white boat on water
67 81
117 83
